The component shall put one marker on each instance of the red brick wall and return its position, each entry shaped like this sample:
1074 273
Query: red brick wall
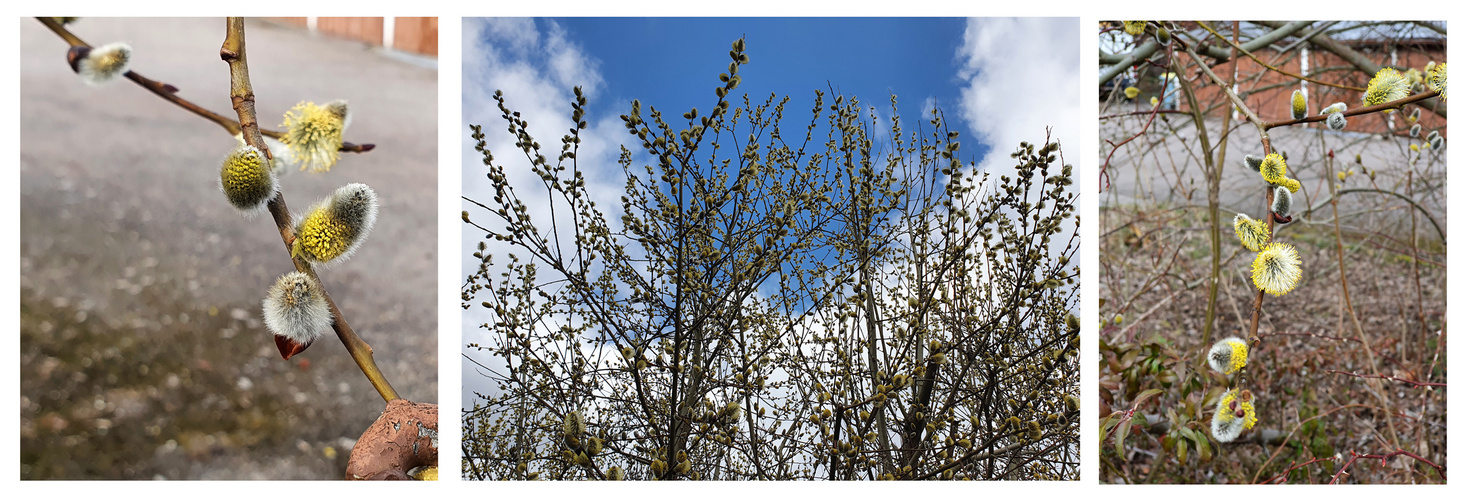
365 29
418 35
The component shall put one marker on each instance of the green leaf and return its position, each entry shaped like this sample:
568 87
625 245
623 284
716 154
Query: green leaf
1145 395
1121 439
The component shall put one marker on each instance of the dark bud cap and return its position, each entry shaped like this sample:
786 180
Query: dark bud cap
75 55
289 347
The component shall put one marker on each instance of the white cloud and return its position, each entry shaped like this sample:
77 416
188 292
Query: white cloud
536 66
1022 75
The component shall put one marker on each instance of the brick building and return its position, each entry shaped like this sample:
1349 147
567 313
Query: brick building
414 35
1402 45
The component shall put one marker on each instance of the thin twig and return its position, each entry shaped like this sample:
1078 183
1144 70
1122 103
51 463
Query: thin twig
1238 48
1358 111
1441 470
170 93
1398 379
1284 476
243 96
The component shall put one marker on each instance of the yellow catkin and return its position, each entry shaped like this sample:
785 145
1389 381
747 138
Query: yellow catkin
336 226
245 179
1276 269
322 237
1387 85
1253 234
1436 79
314 135
1273 168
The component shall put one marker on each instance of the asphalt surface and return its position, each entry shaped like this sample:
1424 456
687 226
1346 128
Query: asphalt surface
1162 168
142 350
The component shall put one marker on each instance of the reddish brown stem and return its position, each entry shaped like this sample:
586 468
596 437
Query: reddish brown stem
1383 377
170 93
1355 456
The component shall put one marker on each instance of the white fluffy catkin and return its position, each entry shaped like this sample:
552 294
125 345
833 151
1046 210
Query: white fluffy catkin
295 308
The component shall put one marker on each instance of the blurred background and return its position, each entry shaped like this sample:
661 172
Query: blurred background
142 350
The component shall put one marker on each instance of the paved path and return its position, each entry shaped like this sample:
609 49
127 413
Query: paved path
1155 177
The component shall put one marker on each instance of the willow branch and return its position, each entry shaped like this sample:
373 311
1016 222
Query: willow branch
170 93
242 95
1267 148
1271 67
1413 383
1360 61
1359 111
1440 470
1417 206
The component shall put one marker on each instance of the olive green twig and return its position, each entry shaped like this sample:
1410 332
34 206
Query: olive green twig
243 97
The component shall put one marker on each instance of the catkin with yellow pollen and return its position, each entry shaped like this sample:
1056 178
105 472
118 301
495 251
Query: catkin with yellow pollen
1273 168
333 229
1235 413
1228 355
1276 269
314 134
1436 79
1387 85
247 180
1253 234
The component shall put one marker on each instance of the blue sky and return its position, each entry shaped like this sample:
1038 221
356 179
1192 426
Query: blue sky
673 63
998 81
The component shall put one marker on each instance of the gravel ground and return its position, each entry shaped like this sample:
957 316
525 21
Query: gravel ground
142 351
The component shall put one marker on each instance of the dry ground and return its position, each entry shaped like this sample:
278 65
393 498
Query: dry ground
1154 258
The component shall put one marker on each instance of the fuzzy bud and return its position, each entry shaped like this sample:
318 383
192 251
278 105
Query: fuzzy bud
99 65
296 312
1336 121
573 424
1252 163
1283 201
